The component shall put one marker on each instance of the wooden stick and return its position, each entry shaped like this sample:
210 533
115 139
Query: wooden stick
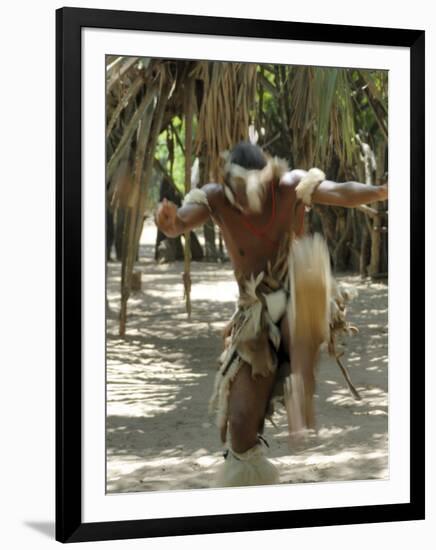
120 71
131 93
346 374
372 212
151 147
188 161
130 245
179 141
113 64
159 166
154 119
128 133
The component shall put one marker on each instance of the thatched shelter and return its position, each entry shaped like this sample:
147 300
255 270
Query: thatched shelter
332 118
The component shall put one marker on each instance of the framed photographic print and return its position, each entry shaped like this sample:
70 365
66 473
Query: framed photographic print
240 275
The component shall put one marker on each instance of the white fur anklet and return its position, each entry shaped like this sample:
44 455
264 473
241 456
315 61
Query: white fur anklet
248 468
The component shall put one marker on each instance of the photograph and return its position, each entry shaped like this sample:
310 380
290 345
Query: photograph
247 274
239 275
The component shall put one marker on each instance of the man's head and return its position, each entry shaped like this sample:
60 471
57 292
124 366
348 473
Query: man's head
248 156
246 176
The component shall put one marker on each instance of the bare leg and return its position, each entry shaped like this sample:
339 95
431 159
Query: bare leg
245 463
247 406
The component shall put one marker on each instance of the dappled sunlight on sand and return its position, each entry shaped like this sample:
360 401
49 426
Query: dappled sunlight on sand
160 378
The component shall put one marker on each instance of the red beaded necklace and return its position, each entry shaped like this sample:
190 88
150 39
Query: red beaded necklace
260 232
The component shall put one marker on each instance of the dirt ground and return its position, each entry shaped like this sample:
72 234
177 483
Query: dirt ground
160 378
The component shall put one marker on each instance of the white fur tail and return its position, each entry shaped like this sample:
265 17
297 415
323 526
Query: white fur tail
308 314
310 283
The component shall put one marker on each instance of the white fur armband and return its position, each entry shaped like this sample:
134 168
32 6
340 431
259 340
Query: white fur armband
196 196
308 184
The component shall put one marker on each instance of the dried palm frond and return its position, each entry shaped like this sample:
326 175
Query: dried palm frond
229 91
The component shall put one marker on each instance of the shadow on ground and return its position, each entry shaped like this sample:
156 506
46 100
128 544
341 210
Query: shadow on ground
160 378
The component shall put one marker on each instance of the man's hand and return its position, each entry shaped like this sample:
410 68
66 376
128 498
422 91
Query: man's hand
174 221
166 218
383 192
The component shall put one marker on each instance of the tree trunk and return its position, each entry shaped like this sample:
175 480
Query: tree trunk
374 265
340 252
211 254
364 245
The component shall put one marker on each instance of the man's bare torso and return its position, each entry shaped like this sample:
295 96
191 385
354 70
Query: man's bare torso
252 240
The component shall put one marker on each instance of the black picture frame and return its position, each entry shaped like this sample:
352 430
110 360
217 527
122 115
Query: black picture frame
69 525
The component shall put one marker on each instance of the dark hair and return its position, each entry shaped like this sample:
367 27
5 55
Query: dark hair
248 156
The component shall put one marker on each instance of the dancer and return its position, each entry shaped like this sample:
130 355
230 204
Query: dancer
284 311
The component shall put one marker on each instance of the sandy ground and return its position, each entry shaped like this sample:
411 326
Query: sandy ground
160 378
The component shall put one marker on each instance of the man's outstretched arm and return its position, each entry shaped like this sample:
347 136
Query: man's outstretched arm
348 194
173 221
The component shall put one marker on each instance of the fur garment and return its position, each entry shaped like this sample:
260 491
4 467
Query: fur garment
255 181
196 196
308 184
